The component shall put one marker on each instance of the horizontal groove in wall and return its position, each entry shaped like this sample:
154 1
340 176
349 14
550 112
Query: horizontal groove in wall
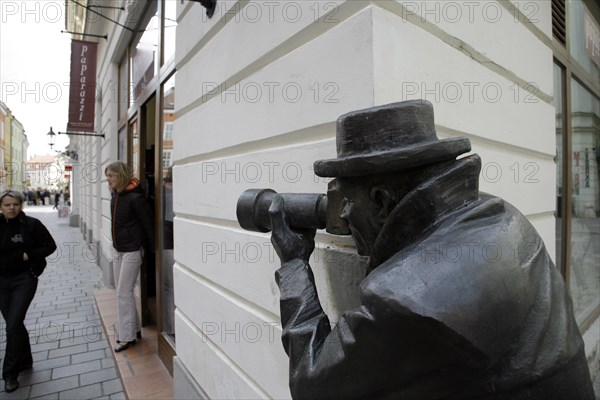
326 132
238 301
219 353
539 216
209 35
311 32
313 134
519 16
186 8
495 144
456 43
321 239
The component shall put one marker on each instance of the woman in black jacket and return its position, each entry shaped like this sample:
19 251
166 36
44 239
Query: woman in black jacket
25 244
132 232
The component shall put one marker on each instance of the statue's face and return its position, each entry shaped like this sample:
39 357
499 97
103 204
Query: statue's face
362 214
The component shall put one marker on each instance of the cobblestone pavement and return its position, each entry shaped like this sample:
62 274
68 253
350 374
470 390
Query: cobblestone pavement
71 354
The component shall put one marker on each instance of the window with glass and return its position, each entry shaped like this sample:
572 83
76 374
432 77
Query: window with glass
585 210
168 117
577 104
558 106
123 89
146 111
583 33
122 146
170 26
135 148
144 56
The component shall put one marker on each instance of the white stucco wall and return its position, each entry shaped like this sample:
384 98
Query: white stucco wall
482 87
238 128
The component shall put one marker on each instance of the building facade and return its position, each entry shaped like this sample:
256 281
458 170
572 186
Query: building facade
13 150
46 172
4 111
204 108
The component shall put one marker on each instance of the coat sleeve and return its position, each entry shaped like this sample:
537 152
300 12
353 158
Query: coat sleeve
373 351
43 245
144 214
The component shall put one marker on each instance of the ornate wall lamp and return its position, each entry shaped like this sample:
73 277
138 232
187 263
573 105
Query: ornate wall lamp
69 153
51 137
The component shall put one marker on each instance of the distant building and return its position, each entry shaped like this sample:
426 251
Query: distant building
45 172
13 150
4 111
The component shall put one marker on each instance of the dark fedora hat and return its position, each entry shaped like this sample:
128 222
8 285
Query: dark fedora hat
396 136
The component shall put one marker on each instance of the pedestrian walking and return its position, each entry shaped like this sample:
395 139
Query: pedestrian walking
24 245
132 233
56 199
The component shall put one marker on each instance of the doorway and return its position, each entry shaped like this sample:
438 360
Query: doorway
142 156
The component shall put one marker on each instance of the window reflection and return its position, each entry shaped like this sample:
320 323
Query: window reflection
123 88
585 225
144 58
167 211
583 37
560 197
169 29
135 148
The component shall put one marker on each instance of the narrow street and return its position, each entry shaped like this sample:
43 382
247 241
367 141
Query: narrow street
71 353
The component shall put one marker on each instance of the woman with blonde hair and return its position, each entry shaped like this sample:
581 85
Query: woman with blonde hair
132 234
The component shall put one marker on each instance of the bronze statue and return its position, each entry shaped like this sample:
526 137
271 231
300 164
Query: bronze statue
461 299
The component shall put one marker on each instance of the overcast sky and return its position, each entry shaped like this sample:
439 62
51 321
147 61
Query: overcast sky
34 69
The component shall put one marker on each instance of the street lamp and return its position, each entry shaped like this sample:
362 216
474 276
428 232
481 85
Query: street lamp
51 137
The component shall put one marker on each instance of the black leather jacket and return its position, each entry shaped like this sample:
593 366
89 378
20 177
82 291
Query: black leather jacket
24 234
132 219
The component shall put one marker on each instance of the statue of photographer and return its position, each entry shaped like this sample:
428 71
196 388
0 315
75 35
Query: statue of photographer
461 299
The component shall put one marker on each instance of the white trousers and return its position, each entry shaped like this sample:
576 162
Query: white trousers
126 267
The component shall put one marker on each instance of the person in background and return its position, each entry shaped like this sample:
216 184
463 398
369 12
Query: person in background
56 199
24 245
132 233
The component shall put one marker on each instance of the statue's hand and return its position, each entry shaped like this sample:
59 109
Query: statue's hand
289 244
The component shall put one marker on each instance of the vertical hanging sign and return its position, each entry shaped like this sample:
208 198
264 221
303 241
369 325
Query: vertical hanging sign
82 91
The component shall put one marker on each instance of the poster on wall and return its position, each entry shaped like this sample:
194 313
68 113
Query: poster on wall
82 93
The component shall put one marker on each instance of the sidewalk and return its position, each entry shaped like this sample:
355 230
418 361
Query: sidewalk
71 353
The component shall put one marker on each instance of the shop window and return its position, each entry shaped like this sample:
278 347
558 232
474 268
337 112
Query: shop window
585 221
135 148
122 145
170 26
560 195
123 88
144 58
577 104
168 118
584 34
